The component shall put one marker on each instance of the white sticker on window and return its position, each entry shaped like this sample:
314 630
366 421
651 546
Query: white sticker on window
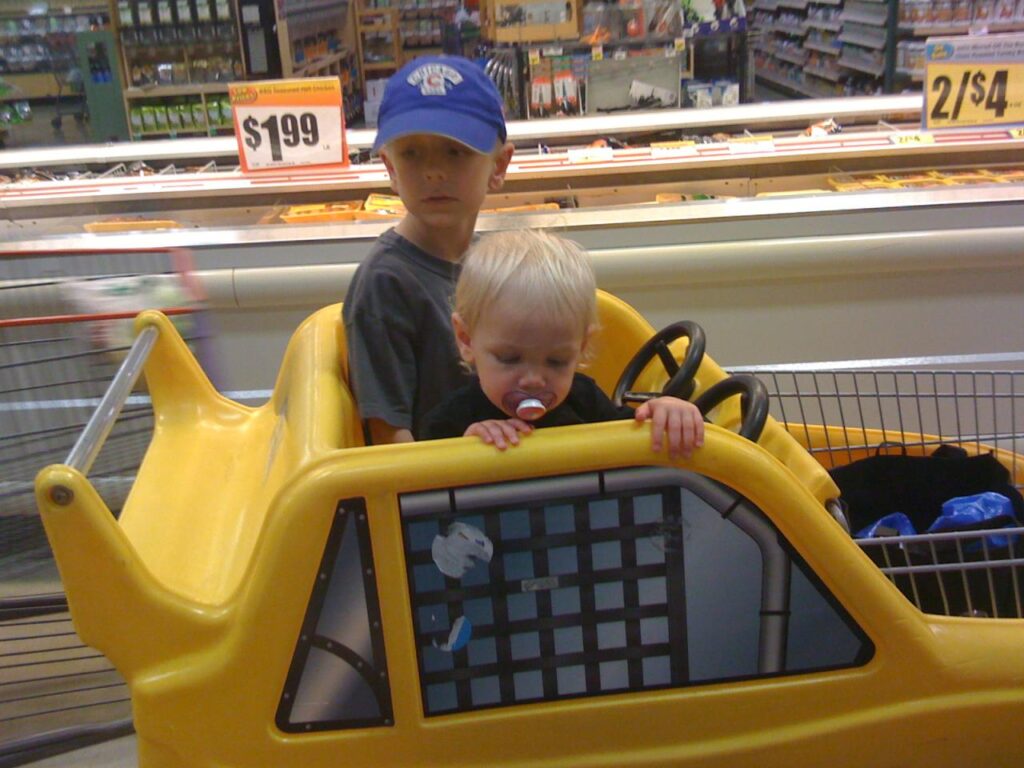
459 550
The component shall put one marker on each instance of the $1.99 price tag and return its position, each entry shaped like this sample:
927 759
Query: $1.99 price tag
289 123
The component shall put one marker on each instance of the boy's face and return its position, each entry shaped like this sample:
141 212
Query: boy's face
442 182
519 354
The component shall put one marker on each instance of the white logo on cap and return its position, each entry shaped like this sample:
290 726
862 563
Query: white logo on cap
432 79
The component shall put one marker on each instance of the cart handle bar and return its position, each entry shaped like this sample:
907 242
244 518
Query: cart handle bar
89 443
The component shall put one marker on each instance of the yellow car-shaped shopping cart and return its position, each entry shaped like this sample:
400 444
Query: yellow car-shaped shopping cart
277 594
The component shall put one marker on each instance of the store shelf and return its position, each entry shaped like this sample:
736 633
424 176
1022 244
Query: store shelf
826 24
322 64
867 67
791 85
291 10
791 56
876 43
790 29
189 89
825 74
831 50
917 75
862 18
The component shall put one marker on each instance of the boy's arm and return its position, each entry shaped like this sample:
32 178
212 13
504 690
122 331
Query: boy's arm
382 366
382 433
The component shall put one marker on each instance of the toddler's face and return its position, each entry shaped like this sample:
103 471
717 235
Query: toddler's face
520 354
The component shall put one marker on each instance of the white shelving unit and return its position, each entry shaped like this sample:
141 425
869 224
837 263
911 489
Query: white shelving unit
823 47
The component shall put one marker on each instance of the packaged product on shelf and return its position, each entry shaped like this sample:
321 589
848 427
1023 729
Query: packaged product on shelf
379 203
185 116
665 18
198 114
212 112
226 117
160 117
148 118
541 90
173 117
725 93
699 94
566 93
600 23
321 212
984 10
1006 10
135 119
633 19
943 12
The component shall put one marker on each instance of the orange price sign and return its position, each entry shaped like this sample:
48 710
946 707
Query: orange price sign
289 123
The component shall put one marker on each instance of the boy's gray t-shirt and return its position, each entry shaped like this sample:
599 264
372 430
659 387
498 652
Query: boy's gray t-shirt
401 348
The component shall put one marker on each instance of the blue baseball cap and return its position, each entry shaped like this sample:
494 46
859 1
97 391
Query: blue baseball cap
442 95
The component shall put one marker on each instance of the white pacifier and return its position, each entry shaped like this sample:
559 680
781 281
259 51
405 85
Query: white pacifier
530 409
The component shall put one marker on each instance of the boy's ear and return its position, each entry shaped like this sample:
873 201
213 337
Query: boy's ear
462 339
390 167
501 160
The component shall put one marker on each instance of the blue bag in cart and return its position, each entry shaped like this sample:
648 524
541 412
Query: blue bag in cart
978 512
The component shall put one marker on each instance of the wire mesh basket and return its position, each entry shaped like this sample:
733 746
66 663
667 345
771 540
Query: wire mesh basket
846 412
65 326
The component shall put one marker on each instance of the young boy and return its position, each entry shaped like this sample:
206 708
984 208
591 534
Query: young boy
441 135
525 310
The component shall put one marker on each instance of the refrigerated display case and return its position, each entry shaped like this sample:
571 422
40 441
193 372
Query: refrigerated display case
770 242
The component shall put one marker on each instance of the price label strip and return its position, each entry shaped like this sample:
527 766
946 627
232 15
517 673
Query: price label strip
974 82
911 139
289 123
751 145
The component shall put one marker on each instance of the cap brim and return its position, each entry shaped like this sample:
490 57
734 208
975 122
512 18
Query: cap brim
476 134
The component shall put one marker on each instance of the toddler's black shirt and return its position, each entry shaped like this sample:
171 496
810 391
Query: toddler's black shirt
585 404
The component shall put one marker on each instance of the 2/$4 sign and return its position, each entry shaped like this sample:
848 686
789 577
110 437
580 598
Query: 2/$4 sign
289 123
974 81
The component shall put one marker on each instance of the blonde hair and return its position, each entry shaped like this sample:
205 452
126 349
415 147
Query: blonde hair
540 272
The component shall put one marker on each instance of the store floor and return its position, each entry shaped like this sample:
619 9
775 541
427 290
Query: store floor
118 753
40 132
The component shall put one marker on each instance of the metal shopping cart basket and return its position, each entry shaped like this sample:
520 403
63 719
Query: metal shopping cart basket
65 326
912 407
70 99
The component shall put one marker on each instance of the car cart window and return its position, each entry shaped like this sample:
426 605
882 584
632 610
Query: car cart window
338 677
606 582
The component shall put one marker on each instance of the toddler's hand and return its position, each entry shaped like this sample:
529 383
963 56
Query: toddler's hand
499 432
678 419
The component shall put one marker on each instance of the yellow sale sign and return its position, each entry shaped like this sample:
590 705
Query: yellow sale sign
974 81
965 94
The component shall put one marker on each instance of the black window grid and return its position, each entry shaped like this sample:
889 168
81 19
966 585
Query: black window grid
590 618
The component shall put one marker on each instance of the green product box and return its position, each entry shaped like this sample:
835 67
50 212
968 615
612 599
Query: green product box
148 118
174 117
198 114
212 111
185 115
160 114
226 118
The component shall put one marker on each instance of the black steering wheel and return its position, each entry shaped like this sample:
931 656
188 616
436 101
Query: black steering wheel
753 405
680 383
